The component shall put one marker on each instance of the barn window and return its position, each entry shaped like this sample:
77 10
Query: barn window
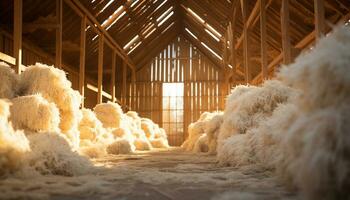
173 111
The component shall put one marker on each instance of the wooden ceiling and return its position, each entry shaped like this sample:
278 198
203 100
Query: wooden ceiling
143 27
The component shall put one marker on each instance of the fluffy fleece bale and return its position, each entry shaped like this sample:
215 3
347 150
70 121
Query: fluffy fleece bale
110 114
159 143
212 128
92 149
246 110
90 127
201 144
147 126
13 144
323 73
52 154
121 146
142 144
53 85
317 145
196 129
316 154
34 113
135 117
9 81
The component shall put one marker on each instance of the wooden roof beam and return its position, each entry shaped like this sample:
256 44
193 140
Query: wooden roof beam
81 10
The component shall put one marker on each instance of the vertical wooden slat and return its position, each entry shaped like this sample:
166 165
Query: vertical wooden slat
82 60
100 69
59 7
286 46
246 53
114 60
263 38
124 82
319 18
17 32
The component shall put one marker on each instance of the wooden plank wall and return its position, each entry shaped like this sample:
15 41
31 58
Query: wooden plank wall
180 62
30 57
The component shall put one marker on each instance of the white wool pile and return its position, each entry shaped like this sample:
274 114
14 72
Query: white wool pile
54 86
13 144
147 126
9 81
92 149
212 128
34 113
159 143
249 105
305 138
52 154
135 118
316 147
195 131
142 144
110 114
90 127
120 146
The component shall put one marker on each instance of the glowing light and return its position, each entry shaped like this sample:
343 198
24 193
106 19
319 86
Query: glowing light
134 3
161 5
212 51
162 15
131 42
213 30
166 18
189 32
195 15
95 89
106 6
212 35
133 48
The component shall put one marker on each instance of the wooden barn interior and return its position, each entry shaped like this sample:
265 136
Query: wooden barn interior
168 60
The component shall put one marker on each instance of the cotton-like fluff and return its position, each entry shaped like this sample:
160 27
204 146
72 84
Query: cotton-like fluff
202 144
195 130
92 149
110 114
53 85
159 143
52 154
13 144
120 146
90 127
212 128
147 126
246 110
135 117
317 145
9 81
34 113
142 144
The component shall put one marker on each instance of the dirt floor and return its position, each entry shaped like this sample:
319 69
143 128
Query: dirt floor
162 174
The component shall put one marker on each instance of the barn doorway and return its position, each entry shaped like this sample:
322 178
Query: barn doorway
173 112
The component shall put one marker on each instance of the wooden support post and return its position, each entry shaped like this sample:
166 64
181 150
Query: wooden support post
232 39
133 90
124 83
114 60
286 46
244 5
59 7
263 37
17 32
100 68
82 59
319 18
